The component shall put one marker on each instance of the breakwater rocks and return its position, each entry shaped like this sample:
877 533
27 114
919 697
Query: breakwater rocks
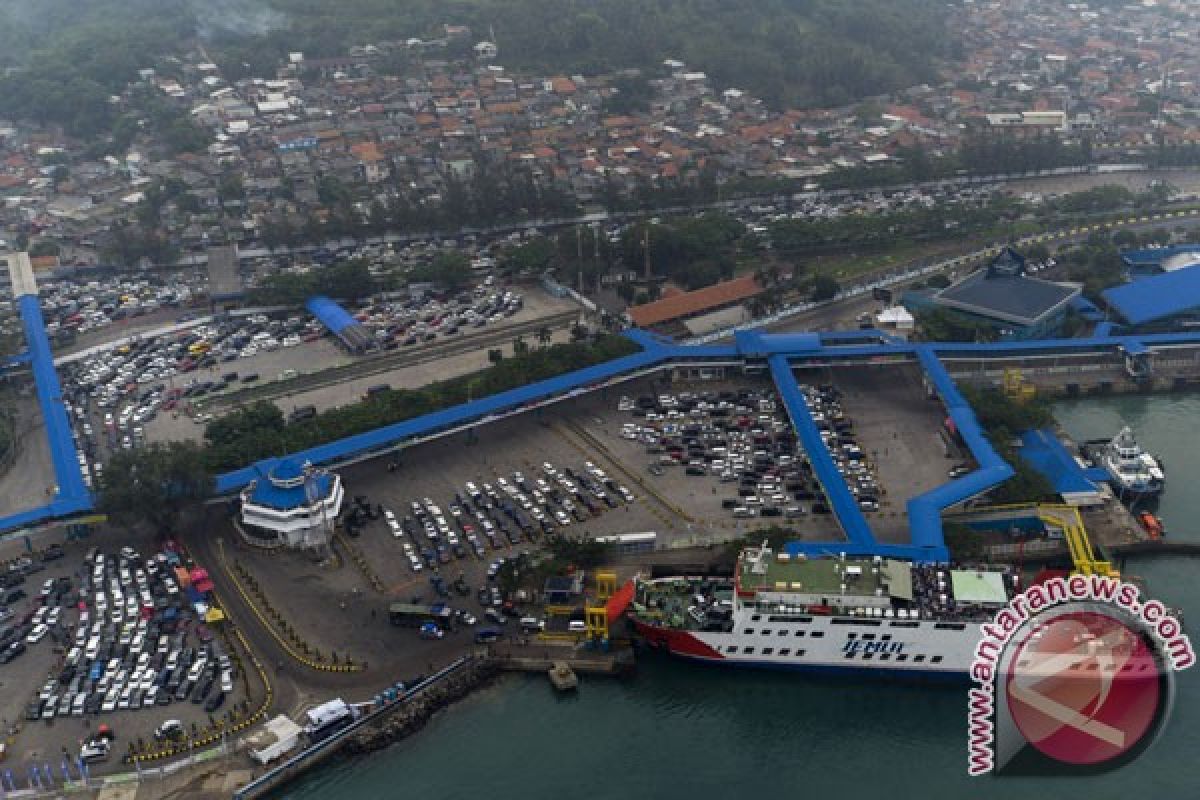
409 717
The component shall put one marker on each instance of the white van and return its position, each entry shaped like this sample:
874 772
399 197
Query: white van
577 626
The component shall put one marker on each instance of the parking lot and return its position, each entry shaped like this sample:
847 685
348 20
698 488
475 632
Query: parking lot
898 427
88 305
142 390
96 638
491 518
431 523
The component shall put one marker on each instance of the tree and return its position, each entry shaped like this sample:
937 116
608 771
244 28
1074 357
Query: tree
544 335
495 355
965 545
825 287
230 188
158 483
535 256
44 247
449 269
1125 238
520 346
1037 252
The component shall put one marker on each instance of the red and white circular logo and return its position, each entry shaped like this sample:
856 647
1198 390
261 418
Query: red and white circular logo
1084 687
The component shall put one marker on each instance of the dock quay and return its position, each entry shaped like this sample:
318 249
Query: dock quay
1043 552
1082 373
397 720
544 655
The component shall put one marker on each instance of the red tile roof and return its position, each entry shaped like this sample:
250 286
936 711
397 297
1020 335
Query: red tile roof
688 303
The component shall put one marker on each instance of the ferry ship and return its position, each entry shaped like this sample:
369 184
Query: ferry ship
870 616
1132 471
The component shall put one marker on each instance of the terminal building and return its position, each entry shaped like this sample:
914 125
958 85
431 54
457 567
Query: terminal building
1151 261
700 311
294 506
1167 301
1002 296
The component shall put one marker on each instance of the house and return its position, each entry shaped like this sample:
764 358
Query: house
685 305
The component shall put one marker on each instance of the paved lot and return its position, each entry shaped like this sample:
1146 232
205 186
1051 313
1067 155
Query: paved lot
699 496
334 607
43 740
179 426
898 426
29 481
326 354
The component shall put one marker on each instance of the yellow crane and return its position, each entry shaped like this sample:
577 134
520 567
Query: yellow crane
1016 387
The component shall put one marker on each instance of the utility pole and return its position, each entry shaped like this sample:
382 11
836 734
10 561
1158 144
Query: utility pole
646 249
579 257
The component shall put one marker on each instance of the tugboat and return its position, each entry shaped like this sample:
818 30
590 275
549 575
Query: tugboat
1133 472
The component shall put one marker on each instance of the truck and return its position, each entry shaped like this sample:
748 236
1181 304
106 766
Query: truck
328 718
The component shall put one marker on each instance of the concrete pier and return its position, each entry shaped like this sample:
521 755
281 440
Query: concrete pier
541 656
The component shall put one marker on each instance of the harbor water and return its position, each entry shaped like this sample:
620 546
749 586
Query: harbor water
680 732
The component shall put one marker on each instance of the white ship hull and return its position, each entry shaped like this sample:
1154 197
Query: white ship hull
904 649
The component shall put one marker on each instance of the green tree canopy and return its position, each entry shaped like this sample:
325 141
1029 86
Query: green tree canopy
449 269
825 287
157 482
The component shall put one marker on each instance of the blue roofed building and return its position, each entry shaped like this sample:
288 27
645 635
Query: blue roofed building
294 505
1003 297
1076 484
1162 302
1150 261
348 330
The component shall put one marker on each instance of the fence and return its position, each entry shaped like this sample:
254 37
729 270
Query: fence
1037 547
46 788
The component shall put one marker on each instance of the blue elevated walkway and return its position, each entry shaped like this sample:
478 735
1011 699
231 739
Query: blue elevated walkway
1045 453
382 438
924 510
72 496
841 501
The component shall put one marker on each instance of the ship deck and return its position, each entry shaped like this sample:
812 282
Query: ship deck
830 577
671 600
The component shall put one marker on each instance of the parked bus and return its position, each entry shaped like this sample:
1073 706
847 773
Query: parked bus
626 543
411 615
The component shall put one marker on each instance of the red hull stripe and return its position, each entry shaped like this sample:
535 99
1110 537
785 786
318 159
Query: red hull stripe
675 641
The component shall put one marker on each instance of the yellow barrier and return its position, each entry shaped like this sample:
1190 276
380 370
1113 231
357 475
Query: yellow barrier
351 667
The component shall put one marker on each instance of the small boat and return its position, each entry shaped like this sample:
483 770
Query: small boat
1133 472
563 677
1152 524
